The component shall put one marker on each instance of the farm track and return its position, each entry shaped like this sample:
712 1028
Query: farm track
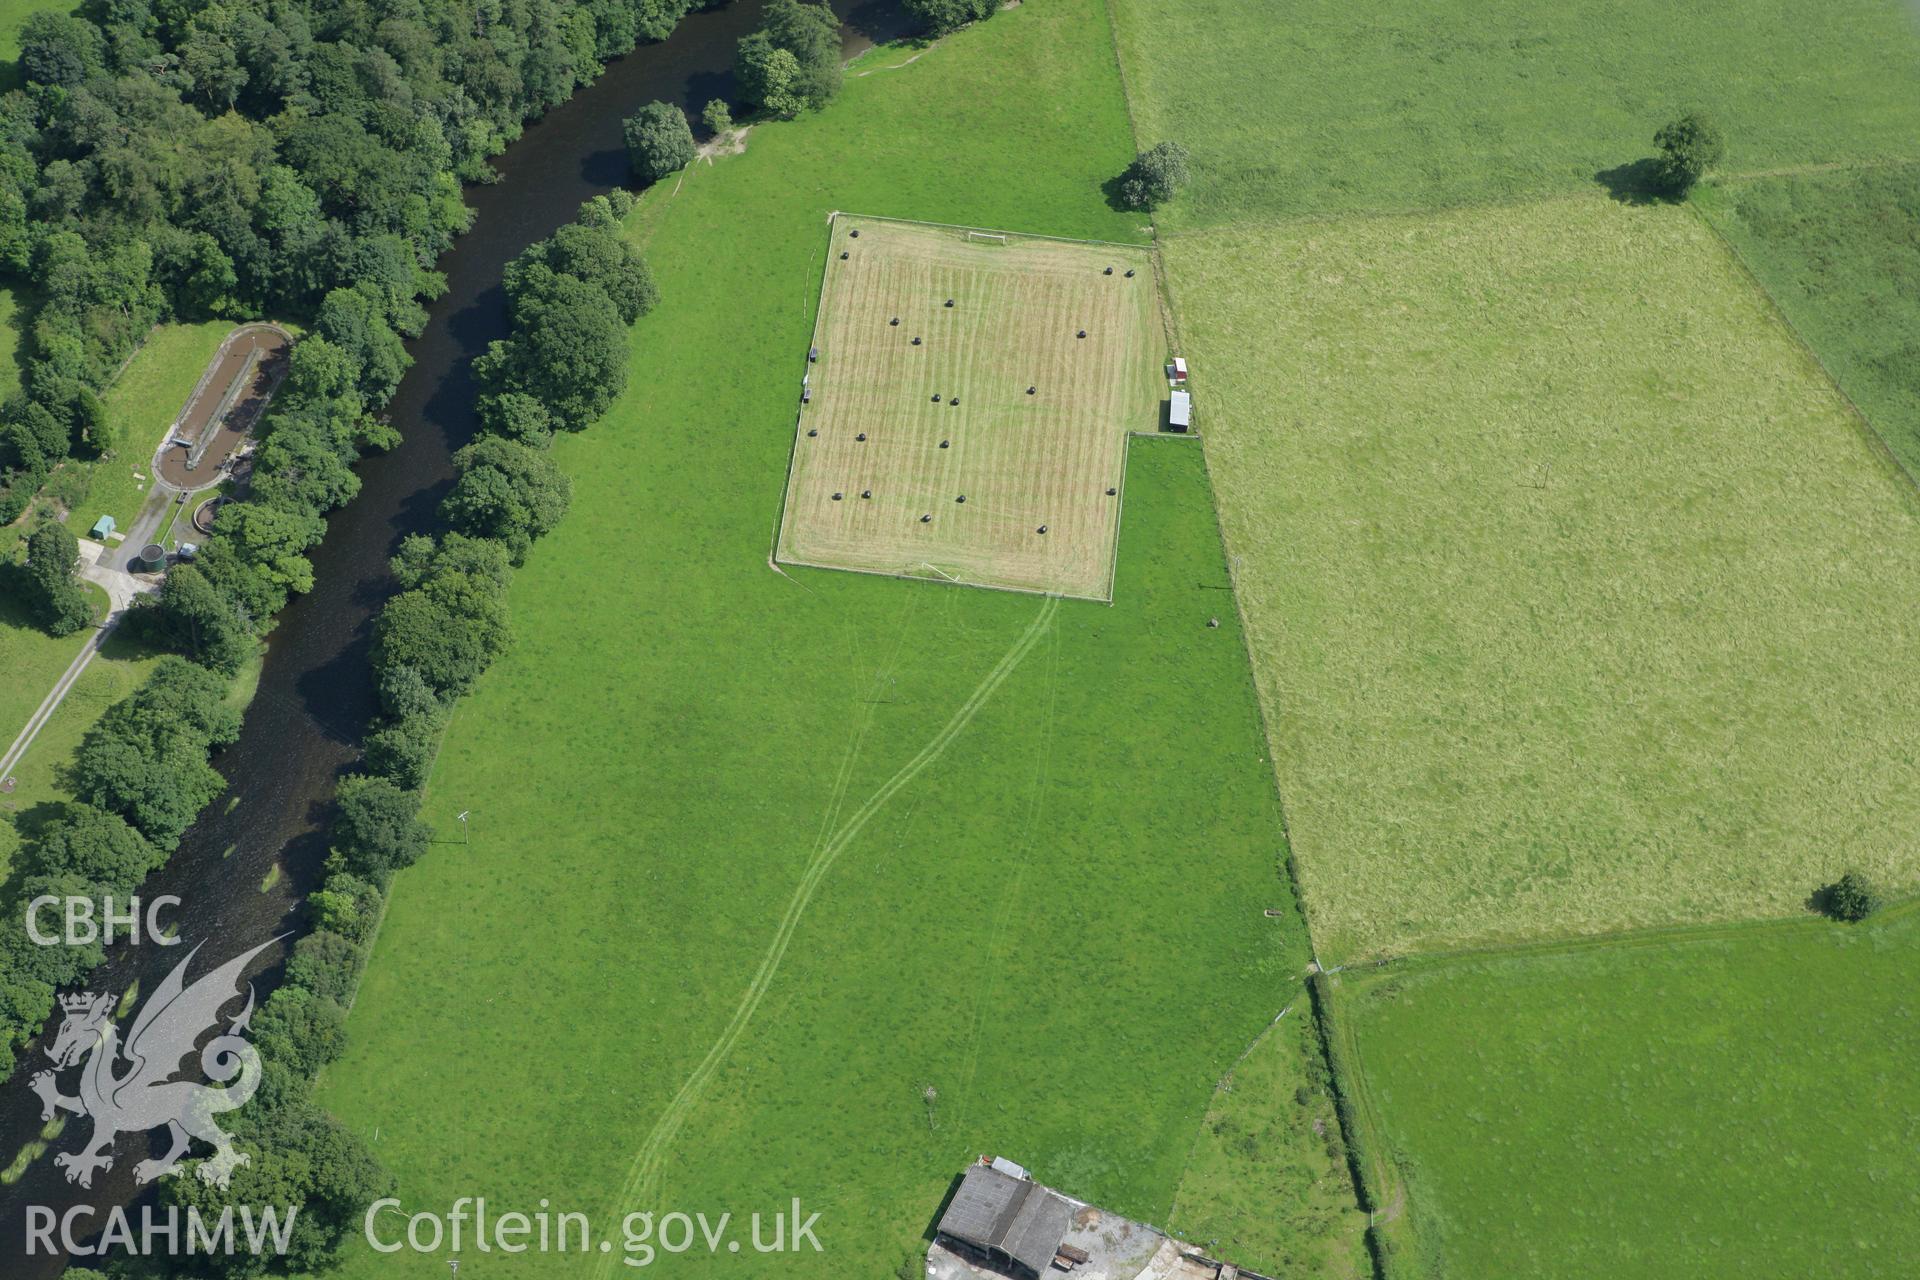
643 1178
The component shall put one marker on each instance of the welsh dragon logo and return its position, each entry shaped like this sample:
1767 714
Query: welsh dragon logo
129 1088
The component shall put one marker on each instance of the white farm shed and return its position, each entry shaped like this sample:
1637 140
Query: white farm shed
1180 411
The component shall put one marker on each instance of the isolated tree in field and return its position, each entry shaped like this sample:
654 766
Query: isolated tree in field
1852 898
717 118
1689 146
52 556
658 141
1155 175
941 16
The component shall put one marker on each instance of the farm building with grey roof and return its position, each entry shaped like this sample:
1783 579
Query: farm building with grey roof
1007 1218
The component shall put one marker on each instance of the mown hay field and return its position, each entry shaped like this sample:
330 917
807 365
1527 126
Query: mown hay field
922 452
1839 250
1721 1104
1577 599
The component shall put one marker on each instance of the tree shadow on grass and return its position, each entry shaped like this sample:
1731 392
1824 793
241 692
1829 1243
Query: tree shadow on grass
1115 190
1637 183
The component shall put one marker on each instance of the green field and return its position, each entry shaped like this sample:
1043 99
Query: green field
1840 253
1736 1103
9 341
117 670
12 14
1015 850
32 659
141 404
1577 599
1257 1194
1331 107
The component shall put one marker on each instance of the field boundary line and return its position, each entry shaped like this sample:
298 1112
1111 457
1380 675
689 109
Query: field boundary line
1518 200
943 580
1372 1188
1200 1130
1622 939
1320 1016
998 231
793 445
1875 441
1290 871
1120 66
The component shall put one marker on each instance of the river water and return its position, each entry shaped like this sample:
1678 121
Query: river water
316 694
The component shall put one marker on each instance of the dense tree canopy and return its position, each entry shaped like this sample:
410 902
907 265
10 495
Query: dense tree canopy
793 61
193 616
256 157
569 349
508 492
376 831
53 555
658 141
941 16
96 845
146 757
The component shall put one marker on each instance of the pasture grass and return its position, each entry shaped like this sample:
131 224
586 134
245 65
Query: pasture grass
115 672
933 460
1256 1192
12 14
1723 1103
1026 843
32 659
1329 107
1577 599
9 341
1840 253
141 404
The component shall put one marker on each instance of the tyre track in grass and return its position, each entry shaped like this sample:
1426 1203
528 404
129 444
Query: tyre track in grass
643 1176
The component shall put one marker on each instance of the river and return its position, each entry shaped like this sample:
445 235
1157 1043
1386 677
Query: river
243 869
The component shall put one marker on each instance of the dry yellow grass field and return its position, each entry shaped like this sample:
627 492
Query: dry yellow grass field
1576 598
883 431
